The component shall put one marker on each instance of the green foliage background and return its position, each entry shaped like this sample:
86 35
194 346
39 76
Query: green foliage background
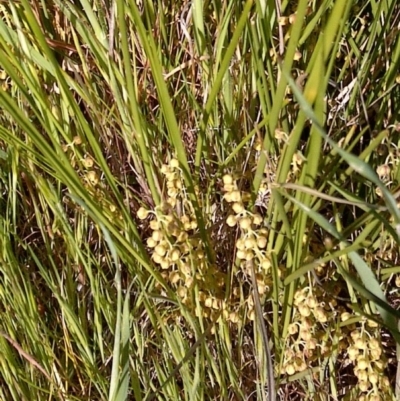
199 125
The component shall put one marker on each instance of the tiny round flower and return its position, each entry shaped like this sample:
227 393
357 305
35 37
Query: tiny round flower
228 188
87 162
231 220
383 170
245 223
375 354
151 243
363 385
157 258
227 179
171 184
182 292
157 235
77 140
175 255
185 268
380 365
290 369
142 213
360 343
188 282
160 249
251 314
172 192
305 334
353 353
208 302
174 163
372 324
362 363
299 295
249 255
282 21
362 375
171 178
165 264
216 304
297 55
289 354
385 382
165 169
266 263
240 244
345 316
187 225
185 219
293 329
234 317
257 219
374 344
174 277
238 207
320 314
250 243
228 197
300 365
92 177
373 378
311 343
311 302
154 224
199 255
261 242
182 237
304 310
241 254
236 196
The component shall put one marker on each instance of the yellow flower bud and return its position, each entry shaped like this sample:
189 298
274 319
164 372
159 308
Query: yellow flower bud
290 369
257 219
142 213
227 179
245 223
238 207
261 242
174 163
304 310
231 220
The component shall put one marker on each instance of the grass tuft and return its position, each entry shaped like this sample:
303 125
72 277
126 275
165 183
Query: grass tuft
199 200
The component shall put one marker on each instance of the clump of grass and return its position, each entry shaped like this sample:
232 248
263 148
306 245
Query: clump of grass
199 201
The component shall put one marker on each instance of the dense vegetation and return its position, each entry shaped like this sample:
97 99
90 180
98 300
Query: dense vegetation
199 200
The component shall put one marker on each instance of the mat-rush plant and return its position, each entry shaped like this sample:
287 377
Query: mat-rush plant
189 205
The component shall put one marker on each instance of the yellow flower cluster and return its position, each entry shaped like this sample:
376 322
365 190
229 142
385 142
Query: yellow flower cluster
177 249
252 242
88 171
307 337
366 354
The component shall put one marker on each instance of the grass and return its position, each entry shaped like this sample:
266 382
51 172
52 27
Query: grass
199 200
